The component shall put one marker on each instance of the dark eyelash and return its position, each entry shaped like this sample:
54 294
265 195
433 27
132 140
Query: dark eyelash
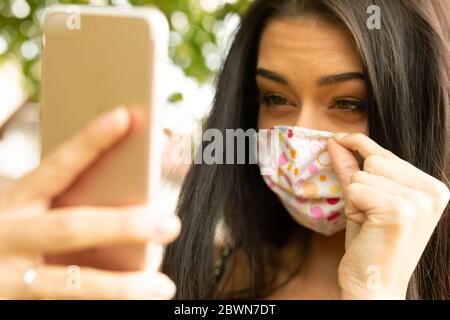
359 105
268 99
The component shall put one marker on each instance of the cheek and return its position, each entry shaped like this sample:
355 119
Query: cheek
268 119
264 121
316 120
358 125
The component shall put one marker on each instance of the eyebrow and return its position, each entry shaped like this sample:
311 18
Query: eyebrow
335 78
324 81
271 75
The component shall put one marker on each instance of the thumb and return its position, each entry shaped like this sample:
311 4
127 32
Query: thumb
58 170
344 165
343 161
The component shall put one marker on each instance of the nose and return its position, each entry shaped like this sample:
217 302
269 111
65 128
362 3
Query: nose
310 117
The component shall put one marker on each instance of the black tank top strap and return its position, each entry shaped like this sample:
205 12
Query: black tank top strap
221 261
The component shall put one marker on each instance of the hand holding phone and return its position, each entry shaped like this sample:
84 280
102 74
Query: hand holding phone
30 228
114 57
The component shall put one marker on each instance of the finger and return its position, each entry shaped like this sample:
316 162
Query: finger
383 183
400 170
62 166
366 147
74 229
397 171
379 207
343 161
56 282
419 199
363 145
345 165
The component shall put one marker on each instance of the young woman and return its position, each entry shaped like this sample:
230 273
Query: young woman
310 64
316 64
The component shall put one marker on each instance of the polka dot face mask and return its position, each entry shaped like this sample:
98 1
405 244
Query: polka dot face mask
295 164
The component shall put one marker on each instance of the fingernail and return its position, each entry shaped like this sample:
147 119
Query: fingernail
163 288
115 117
168 289
340 135
166 224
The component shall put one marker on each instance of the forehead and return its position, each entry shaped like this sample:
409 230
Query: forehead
308 44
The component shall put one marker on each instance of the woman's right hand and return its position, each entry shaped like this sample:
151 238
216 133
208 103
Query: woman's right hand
29 228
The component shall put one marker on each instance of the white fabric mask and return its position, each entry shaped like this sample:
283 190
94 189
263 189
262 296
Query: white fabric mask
296 165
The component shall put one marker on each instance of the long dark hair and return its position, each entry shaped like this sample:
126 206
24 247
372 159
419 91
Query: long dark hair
408 72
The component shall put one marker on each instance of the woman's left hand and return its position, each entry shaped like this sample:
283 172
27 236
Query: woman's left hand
392 209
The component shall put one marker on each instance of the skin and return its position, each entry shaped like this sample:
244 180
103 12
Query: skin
392 207
29 228
318 50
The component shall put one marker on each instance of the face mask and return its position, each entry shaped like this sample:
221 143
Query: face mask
295 164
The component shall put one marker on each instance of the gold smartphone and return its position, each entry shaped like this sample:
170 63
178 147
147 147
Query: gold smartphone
95 59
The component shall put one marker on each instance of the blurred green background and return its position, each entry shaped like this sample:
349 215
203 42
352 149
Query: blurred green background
196 27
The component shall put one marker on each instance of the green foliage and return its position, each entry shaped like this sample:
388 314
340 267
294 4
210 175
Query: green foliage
176 97
194 34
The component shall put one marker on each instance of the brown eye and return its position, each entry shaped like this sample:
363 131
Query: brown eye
349 105
272 99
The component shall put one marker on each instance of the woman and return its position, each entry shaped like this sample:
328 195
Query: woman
305 64
316 64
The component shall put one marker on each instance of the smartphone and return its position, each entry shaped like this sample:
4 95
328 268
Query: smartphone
95 59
